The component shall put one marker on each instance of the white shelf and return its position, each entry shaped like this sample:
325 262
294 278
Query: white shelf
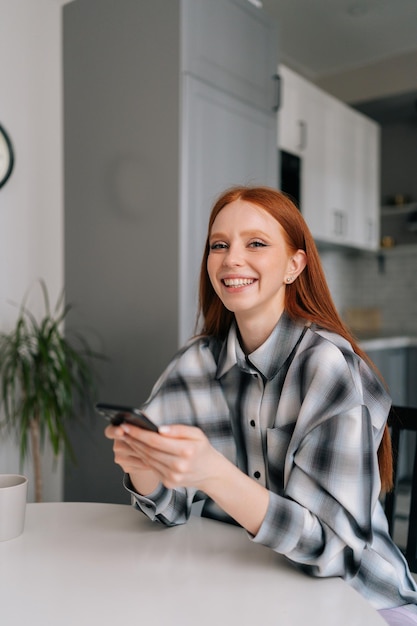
403 209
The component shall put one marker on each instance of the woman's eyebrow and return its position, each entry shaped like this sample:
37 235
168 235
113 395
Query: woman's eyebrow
244 233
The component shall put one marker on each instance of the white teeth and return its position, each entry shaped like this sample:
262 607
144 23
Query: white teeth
238 282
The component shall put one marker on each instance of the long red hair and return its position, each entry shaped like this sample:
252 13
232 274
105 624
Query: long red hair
307 298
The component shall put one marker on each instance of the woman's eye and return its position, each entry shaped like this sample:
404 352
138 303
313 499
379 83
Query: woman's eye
257 244
218 245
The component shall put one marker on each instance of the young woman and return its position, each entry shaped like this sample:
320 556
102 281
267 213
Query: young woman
272 414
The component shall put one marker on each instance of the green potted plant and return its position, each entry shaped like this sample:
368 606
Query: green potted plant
45 381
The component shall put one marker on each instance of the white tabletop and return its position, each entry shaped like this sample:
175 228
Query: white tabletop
105 564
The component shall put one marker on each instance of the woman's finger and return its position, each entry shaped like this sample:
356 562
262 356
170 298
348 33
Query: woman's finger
114 432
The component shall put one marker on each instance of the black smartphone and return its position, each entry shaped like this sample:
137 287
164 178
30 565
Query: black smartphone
117 414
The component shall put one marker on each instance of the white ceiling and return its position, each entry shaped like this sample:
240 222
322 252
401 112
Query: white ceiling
324 37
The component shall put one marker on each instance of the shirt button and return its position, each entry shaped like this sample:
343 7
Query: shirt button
257 474
252 423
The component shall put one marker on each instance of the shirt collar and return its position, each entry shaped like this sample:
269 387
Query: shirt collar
269 357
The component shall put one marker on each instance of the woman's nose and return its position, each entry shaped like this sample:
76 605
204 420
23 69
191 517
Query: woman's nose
233 257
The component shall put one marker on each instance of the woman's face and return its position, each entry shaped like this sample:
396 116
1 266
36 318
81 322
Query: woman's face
248 263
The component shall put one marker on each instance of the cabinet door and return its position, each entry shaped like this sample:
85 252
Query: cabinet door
338 226
313 179
352 173
366 198
233 46
291 115
225 142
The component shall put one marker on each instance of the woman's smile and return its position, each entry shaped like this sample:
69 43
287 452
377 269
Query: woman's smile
236 283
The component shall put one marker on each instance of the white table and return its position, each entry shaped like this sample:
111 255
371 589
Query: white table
105 564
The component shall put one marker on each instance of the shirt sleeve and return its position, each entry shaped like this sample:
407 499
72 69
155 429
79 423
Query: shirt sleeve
167 506
322 519
186 393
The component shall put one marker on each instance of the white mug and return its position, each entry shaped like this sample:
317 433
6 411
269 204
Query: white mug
13 495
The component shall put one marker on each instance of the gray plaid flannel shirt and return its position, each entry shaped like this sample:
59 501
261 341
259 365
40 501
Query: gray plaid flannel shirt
304 416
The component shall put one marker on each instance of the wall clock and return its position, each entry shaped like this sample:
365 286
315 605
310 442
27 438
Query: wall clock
6 156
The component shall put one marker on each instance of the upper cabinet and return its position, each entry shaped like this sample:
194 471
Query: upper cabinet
232 46
295 119
367 178
339 153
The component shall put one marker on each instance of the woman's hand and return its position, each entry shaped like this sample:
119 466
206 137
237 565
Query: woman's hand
144 480
182 456
179 455
124 453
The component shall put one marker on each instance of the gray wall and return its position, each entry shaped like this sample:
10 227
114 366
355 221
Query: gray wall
399 159
121 101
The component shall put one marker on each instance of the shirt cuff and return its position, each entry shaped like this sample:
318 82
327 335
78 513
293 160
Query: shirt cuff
151 505
282 526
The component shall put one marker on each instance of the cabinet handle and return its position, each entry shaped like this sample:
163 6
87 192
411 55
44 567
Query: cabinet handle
303 135
339 222
370 225
277 80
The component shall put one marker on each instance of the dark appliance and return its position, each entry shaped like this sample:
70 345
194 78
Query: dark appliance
290 175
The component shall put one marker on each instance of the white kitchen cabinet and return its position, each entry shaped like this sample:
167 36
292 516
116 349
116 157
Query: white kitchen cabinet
227 142
232 46
292 118
339 157
367 166
339 153
228 127
351 201
313 165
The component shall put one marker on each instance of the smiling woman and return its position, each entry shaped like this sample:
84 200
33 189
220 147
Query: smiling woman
249 266
272 415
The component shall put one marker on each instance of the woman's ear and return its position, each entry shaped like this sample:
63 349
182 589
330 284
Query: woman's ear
296 264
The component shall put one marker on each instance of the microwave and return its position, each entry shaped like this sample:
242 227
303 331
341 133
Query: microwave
290 175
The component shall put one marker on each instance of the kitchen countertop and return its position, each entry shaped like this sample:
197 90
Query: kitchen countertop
385 342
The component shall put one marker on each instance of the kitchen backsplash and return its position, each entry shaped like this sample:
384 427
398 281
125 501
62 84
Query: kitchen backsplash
386 282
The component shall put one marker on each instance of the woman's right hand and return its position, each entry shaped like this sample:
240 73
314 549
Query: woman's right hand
143 478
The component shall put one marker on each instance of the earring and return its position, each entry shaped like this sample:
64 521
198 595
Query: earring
289 279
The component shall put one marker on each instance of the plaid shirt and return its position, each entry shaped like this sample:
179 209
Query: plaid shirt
304 416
